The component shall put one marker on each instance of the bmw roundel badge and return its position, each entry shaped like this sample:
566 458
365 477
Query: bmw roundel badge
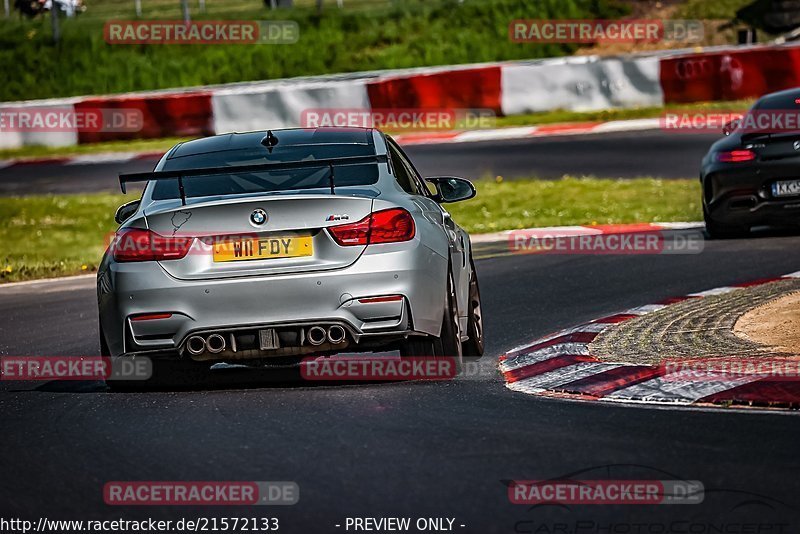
258 217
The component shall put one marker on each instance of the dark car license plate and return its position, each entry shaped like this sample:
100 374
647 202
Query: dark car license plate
786 188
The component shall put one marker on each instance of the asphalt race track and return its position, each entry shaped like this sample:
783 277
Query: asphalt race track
420 449
626 155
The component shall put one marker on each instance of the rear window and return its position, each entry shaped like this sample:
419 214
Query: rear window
779 102
266 181
236 183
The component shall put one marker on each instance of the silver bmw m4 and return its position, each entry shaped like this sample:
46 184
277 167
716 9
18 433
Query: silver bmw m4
266 246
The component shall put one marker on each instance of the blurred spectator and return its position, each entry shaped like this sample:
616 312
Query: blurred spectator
272 4
31 8
69 7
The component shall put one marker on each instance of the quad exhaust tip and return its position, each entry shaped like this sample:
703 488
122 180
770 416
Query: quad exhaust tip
316 335
196 345
215 343
336 334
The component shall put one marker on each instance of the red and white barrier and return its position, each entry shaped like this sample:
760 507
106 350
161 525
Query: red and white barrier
171 115
280 105
509 88
729 74
11 137
477 88
581 84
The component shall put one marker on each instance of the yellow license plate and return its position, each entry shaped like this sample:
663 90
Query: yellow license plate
263 248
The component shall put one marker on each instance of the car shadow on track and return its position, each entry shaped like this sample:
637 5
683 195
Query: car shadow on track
233 377
766 231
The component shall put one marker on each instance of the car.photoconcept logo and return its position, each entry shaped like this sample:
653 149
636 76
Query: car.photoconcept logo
258 217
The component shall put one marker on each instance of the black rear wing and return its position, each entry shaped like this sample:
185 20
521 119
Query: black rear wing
125 179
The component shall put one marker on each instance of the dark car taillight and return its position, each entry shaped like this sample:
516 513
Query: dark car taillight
386 226
135 244
736 156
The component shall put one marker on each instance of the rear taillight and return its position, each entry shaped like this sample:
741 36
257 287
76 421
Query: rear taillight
135 244
391 226
352 234
736 156
387 226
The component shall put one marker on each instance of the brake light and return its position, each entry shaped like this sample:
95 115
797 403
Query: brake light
135 244
151 316
386 226
387 298
736 156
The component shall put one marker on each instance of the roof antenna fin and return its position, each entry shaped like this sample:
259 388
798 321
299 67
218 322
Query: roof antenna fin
269 141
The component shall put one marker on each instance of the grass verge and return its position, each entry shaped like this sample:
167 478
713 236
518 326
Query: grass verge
618 114
54 235
718 9
411 33
61 235
513 204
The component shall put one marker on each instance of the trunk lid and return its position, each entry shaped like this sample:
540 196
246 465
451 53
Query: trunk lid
230 244
775 146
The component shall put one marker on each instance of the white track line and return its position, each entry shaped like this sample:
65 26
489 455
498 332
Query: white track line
69 281
113 157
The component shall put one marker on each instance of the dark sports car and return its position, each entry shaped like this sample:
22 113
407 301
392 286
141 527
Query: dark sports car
751 177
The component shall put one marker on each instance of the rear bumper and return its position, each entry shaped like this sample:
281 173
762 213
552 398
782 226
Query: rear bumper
127 290
744 211
741 196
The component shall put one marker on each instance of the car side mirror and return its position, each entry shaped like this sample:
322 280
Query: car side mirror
125 211
451 188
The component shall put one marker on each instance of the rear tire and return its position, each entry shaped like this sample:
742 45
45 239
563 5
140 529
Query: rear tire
716 230
448 344
418 347
104 351
474 346
450 335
